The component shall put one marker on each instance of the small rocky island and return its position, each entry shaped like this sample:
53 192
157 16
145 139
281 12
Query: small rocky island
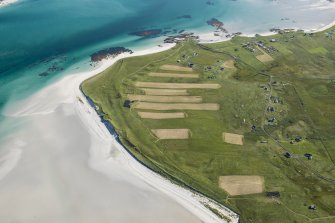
217 24
108 53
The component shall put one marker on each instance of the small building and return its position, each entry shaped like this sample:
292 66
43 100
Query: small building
273 40
273 194
308 156
127 104
270 109
312 207
272 120
288 155
298 139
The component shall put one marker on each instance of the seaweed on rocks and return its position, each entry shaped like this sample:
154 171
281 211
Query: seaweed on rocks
109 52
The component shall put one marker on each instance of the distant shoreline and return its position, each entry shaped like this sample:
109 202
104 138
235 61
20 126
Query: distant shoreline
208 37
4 3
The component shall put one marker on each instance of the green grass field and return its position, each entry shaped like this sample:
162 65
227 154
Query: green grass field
299 84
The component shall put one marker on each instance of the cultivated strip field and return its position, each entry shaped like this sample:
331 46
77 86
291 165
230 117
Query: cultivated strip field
265 57
230 64
174 75
241 185
171 133
175 68
155 115
233 138
276 108
177 106
150 91
166 99
176 85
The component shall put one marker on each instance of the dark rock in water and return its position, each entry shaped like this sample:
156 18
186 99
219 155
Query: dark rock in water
44 74
217 24
147 33
184 17
209 3
107 53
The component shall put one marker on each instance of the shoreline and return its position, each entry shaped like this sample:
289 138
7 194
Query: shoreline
209 37
7 2
67 91
70 86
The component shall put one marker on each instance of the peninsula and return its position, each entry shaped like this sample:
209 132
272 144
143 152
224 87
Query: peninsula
246 122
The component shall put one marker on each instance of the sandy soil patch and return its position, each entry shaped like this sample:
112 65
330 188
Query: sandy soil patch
155 115
171 133
233 138
264 57
176 85
177 106
174 75
175 68
150 91
165 99
240 185
230 64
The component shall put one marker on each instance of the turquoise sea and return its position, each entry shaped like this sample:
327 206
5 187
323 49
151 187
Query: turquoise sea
59 35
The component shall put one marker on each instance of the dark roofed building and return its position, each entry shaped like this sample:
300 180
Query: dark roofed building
127 104
273 194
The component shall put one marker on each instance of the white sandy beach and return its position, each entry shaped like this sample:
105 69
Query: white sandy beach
57 172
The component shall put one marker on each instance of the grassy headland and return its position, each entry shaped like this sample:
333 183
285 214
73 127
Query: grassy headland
283 104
